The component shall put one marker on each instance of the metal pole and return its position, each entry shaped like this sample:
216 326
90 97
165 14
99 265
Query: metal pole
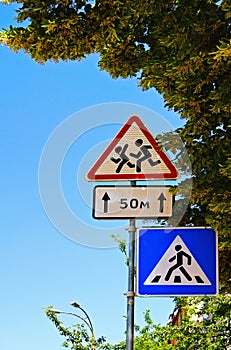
131 293
89 323
91 327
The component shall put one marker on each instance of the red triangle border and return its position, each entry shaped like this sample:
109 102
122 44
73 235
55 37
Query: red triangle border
172 175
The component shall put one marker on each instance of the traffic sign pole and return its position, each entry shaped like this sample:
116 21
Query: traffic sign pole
132 155
131 285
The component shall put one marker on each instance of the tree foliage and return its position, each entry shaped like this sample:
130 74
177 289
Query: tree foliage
182 49
76 338
205 325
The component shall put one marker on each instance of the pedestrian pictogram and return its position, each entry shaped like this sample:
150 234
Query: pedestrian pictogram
132 155
177 261
177 266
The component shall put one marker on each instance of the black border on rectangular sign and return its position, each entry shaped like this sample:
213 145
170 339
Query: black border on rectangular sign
129 217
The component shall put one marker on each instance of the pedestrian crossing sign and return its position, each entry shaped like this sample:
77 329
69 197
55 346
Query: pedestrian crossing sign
177 261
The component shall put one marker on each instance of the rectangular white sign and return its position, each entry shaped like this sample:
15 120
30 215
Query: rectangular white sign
144 202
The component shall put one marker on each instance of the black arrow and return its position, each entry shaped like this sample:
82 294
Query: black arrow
105 198
162 198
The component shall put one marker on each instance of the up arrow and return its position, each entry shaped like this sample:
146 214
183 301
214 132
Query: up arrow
105 198
161 198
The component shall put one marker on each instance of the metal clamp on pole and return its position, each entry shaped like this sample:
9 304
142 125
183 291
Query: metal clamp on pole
130 294
131 228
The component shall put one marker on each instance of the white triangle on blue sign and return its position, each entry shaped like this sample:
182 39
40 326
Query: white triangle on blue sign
177 267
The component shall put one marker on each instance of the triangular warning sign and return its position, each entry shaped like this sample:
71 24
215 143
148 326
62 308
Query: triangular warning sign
132 155
177 267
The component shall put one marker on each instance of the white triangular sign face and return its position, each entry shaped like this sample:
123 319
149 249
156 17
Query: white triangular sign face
177 267
132 155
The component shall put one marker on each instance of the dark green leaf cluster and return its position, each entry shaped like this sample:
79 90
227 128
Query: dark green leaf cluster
205 323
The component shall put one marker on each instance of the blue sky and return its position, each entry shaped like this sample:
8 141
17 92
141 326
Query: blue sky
39 265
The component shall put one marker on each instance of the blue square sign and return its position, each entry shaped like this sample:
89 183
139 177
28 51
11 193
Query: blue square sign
177 261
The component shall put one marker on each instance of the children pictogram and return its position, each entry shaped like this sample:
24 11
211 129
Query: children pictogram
122 159
133 154
143 154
